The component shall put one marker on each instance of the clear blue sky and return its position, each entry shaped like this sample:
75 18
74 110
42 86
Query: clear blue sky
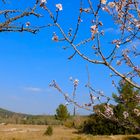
28 63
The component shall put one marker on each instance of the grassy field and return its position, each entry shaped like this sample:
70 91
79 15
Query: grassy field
36 132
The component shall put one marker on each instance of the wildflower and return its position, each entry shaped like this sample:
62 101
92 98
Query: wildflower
59 7
103 1
111 4
125 114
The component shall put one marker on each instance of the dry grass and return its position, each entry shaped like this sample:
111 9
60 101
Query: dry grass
34 132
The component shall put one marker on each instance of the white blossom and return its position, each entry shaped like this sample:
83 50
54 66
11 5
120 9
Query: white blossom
137 112
59 6
55 37
108 111
28 24
103 1
43 1
125 114
118 62
111 4
76 82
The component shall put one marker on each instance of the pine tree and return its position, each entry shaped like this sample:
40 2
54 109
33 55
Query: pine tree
127 109
62 112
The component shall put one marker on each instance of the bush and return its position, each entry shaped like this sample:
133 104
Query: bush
49 131
131 138
75 122
97 125
69 123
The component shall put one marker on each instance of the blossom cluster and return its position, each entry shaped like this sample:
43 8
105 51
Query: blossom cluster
108 111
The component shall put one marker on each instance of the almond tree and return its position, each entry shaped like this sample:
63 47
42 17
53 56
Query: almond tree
121 55
12 18
125 15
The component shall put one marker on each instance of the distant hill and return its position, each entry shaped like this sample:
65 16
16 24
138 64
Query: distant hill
4 113
7 116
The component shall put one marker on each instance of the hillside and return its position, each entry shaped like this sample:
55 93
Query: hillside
7 116
7 113
4 113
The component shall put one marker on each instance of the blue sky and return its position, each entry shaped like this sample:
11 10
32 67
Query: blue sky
30 62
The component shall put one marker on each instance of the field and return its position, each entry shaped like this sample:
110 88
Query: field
35 132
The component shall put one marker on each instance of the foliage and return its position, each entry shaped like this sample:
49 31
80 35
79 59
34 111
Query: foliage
125 118
131 138
49 131
75 121
62 113
128 105
98 125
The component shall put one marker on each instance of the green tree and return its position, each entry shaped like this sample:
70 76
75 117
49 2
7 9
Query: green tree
125 118
128 105
62 113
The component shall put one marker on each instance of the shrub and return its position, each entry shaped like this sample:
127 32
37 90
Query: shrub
97 125
69 123
131 138
49 131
